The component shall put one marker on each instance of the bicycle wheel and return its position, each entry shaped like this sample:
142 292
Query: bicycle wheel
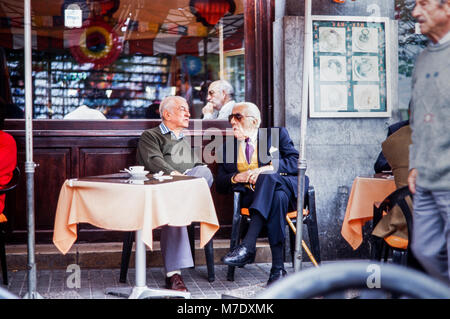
337 277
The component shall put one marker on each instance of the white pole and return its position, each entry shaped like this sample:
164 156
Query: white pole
221 56
298 255
29 165
140 261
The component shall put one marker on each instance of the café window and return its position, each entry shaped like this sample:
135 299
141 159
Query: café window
410 43
122 57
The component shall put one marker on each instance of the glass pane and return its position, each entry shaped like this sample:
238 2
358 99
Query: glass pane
125 58
410 45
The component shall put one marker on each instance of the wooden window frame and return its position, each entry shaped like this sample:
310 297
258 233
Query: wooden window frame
259 17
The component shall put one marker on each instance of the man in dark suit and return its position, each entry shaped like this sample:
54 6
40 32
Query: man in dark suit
382 164
262 164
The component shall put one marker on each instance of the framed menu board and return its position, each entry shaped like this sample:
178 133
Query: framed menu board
349 74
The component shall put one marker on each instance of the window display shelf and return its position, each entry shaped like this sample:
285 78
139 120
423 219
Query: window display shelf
60 85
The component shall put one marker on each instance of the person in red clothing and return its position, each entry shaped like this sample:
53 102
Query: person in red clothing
8 159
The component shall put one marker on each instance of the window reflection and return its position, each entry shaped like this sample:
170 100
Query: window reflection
410 45
127 56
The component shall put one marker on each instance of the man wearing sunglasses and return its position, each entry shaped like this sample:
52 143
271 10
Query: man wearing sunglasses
220 101
262 165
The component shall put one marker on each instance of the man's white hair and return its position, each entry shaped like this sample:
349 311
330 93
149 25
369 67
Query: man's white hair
225 86
252 110
169 102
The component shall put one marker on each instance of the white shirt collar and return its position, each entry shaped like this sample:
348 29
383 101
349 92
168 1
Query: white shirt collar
445 38
226 110
164 130
253 138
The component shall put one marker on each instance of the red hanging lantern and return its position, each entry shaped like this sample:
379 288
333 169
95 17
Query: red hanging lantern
209 12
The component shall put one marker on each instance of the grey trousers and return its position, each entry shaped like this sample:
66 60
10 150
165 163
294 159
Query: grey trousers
431 232
175 247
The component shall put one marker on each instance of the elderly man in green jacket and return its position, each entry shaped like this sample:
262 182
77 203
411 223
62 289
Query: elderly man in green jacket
164 148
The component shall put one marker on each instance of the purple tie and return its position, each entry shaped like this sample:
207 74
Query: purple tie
248 150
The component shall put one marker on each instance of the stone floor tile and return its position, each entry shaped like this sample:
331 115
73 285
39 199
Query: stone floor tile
53 283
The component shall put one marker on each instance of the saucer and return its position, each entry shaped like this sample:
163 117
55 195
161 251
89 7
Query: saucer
138 174
136 181
162 178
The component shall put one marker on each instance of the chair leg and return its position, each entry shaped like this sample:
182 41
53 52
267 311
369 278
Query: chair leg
385 251
311 222
231 269
376 248
3 258
209 252
405 258
230 273
191 234
209 256
292 244
126 254
399 257
396 257
287 244
376 243
235 229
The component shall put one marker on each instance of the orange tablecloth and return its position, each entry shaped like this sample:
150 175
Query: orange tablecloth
129 207
365 192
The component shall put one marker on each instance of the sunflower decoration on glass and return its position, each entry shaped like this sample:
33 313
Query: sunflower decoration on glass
96 42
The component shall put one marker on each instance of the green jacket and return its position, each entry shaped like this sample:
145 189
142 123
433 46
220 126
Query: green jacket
160 152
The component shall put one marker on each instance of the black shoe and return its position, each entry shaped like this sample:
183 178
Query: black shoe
175 283
275 274
239 257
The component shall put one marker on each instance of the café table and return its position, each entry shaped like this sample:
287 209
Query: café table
366 191
123 203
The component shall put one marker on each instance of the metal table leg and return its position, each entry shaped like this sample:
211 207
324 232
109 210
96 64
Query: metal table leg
140 290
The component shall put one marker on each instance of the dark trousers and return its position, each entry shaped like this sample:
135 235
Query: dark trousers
272 198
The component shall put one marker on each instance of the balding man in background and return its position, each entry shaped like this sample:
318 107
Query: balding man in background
220 101
429 153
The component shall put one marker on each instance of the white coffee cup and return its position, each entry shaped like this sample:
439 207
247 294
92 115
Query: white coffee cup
136 169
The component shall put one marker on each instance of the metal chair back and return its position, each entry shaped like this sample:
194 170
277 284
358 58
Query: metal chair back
12 183
4 190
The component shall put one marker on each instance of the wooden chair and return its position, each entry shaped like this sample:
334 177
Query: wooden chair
128 244
241 217
5 190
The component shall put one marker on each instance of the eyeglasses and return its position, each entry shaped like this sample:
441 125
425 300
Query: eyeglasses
237 116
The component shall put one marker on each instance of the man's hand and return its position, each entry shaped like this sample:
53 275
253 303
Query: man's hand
412 180
254 174
242 177
251 176
175 173
208 108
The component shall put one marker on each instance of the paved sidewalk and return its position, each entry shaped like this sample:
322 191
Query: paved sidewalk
52 284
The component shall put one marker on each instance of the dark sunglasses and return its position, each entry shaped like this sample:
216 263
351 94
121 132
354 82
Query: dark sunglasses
237 116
